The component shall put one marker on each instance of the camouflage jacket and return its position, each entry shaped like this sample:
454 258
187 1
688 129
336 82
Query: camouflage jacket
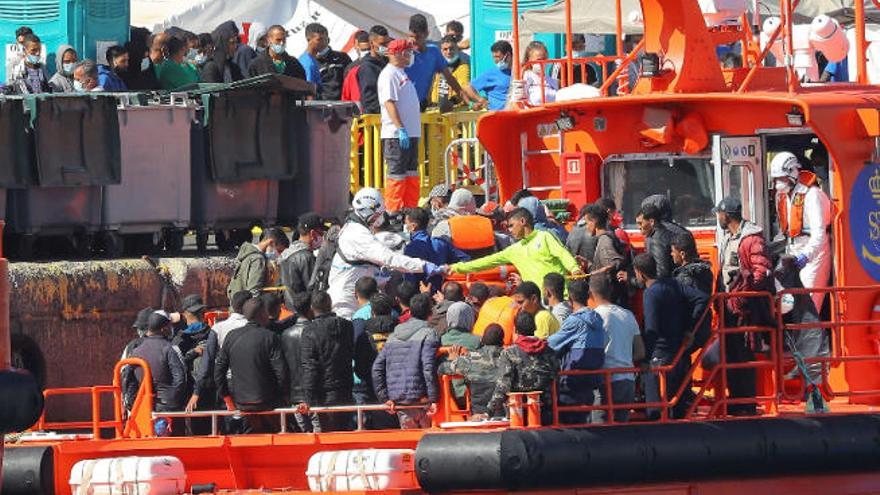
480 370
524 372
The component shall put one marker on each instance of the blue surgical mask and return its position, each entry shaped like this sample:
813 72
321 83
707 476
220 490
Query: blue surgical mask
278 49
145 63
200 59
192 54
33 59
580 54
451 60
383 51
503 65
68 68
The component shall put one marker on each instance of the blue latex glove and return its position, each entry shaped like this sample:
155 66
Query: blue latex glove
431 269
801 261
403 137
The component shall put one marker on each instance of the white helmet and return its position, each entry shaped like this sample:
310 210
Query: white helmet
783 165
368 203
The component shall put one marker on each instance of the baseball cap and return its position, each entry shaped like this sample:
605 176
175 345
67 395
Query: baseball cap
193 303
158 320
309 221
729 204
399 46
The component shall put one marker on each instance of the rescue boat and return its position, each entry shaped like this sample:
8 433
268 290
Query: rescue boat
691 130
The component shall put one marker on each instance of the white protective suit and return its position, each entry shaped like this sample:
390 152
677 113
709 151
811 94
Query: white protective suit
357 243
814 242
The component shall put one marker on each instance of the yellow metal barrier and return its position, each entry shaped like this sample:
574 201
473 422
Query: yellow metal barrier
438 130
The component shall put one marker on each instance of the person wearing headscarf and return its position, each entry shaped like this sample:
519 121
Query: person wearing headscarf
222 68
460 319
461 202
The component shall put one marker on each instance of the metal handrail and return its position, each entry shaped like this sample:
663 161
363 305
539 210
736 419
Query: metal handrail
283 412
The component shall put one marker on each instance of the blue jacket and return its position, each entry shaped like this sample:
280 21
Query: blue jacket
437 250
580 344
405 371
671 310
108 80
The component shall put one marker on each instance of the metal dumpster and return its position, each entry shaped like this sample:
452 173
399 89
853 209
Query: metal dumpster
153 196
323 182
16 153
76 150
244 140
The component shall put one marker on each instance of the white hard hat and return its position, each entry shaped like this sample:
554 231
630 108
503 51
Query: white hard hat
784 164
367 203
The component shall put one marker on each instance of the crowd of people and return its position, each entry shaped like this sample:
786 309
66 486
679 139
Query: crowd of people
364 310
173 59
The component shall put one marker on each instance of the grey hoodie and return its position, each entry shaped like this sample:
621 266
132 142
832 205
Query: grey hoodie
61 82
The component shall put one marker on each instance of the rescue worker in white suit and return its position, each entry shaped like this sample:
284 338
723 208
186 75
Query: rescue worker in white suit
804 214
360 254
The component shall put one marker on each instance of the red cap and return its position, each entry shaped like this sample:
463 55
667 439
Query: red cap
399 46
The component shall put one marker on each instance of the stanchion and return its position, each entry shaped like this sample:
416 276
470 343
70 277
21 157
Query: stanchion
533 409
515 409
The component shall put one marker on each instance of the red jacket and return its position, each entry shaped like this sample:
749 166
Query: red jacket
351 90
755 266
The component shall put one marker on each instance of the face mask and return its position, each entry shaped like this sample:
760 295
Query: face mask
580 54
271 254
503 65
382 51
278 49
782 186
316 243
192 54
324 52
68 68
145 64
412 60
452 60
33 59
78 86
200 59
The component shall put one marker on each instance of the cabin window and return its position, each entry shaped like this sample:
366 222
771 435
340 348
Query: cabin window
687 182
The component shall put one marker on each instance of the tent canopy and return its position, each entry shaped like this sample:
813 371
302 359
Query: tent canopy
599 17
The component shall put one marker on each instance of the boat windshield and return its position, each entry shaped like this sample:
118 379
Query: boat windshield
687 182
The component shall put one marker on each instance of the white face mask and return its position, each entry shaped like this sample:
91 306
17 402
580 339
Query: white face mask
68 68
782 186
78 86
145 64
271 254
412 60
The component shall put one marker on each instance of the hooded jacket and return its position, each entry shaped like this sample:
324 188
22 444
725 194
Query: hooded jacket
368 82
166 369
61 82
461 202
250 275
221 68
755 267
296 265
580 343
405 371
327 354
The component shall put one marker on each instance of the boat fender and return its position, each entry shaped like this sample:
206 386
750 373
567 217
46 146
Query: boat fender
28 471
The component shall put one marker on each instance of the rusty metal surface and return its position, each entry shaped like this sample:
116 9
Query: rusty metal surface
79 315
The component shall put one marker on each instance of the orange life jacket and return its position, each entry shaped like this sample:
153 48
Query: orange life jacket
471 233
793 226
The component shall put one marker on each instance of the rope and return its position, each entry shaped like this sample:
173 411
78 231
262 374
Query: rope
812 394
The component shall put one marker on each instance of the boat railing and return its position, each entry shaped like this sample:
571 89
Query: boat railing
283 413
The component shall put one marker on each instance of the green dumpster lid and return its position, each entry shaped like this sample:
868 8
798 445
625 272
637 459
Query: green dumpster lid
266 81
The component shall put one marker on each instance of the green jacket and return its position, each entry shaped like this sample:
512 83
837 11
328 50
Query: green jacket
250 275
469 341
173 75
534 256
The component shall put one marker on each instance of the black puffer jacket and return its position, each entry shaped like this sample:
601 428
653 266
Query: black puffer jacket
327 353
332 70
259 373
297 265
697 275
